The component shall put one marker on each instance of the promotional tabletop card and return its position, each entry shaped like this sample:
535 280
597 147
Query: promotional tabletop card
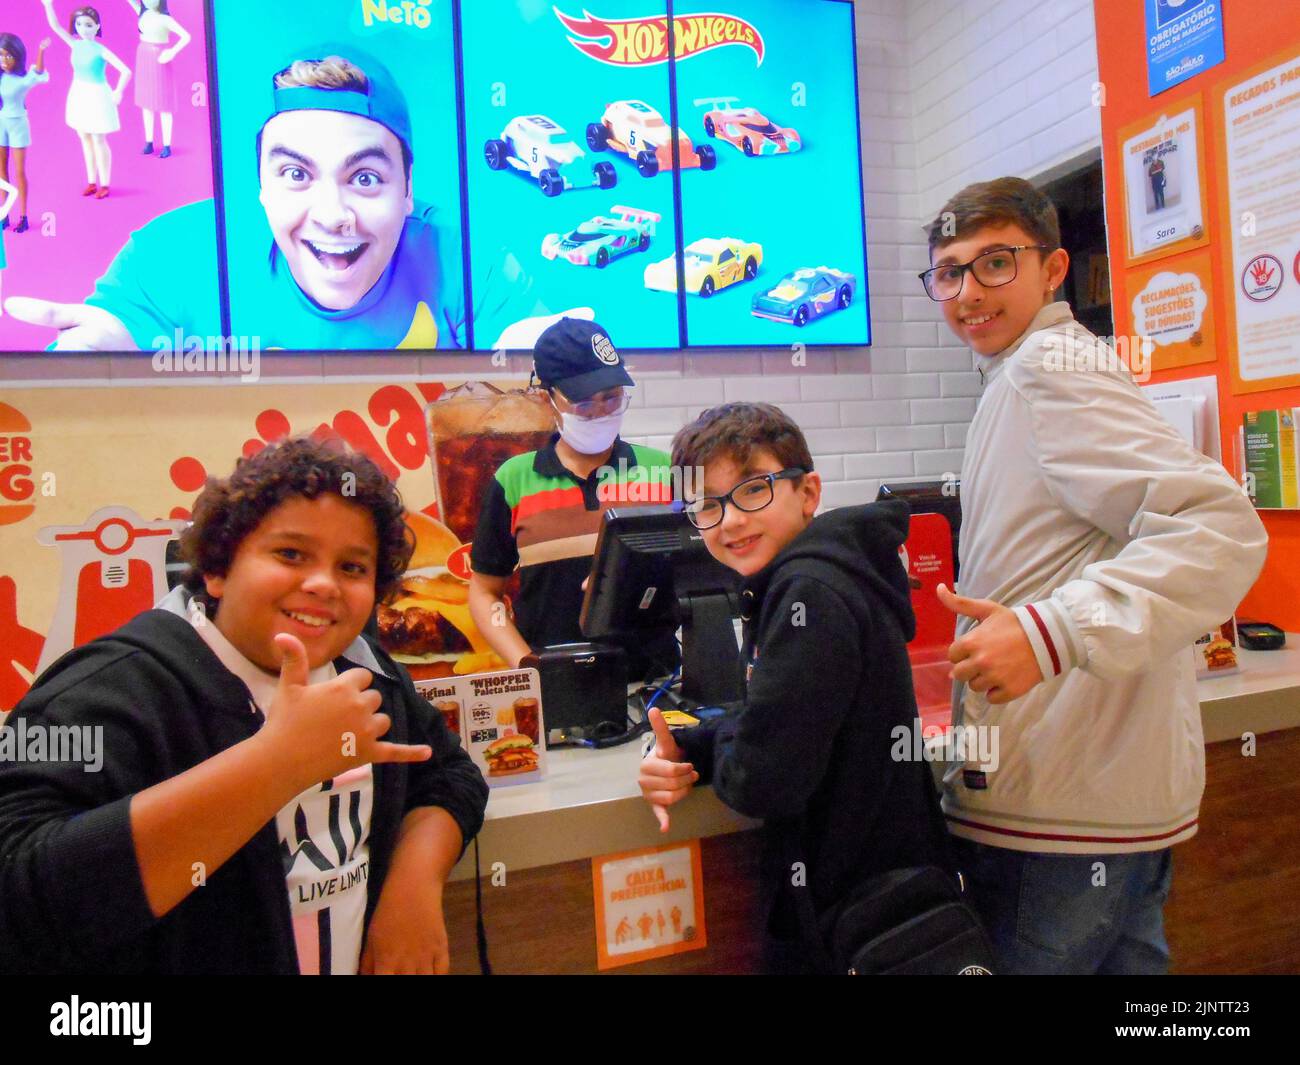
498 717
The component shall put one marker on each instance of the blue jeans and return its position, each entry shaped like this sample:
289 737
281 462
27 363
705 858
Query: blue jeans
1070 913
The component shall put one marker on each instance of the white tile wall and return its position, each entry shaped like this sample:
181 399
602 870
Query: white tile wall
953 91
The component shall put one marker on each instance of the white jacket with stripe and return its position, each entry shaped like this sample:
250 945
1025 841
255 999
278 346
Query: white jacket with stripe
1117 544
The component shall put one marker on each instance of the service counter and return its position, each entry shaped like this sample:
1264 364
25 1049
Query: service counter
538 841
1263 697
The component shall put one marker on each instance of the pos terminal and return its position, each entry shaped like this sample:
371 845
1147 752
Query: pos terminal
651 567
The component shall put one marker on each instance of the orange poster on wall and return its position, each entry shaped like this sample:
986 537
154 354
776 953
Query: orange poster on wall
95 485
1259 143
1171 304
1163 157
1250 214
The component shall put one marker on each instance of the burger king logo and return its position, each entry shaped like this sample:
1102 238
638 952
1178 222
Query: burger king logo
16 485
639 42
604 349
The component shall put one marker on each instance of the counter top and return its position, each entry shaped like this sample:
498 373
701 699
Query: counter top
1263 697
590 804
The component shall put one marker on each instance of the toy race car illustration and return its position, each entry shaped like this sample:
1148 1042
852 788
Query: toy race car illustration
803 295
535 145
600 239
752 132
711 263
639 131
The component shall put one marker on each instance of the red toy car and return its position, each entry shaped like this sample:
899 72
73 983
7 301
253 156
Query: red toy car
752 132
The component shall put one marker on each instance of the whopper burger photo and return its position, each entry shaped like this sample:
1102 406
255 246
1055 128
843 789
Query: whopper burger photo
425 624
510 754
1219 654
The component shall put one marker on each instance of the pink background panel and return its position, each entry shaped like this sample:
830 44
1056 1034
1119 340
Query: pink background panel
63 265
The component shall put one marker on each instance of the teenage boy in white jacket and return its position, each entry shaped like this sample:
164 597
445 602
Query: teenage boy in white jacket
1096 545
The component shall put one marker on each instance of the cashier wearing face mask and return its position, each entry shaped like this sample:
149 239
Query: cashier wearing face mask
542 511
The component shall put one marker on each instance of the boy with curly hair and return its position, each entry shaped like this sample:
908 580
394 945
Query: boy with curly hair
274 795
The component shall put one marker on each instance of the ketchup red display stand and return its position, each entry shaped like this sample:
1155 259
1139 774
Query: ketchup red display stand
927 557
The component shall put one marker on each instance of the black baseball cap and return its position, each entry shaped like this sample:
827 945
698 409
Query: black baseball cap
578 357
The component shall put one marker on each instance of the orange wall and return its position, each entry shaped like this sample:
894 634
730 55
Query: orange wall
1250 37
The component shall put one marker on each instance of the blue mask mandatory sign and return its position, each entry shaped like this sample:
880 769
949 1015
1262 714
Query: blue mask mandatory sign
1184 37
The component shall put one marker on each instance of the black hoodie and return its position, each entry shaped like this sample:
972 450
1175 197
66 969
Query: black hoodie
827 623
71 897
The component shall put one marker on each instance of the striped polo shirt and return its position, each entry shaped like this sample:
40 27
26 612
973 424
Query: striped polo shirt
541 517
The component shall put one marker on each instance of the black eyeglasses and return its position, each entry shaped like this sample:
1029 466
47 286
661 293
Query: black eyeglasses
992 269
753 493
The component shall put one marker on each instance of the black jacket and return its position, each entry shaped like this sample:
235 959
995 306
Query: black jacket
71 897
826 629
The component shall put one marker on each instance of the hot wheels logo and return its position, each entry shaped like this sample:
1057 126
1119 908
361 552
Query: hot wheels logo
644 41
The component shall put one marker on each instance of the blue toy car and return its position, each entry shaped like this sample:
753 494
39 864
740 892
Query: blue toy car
805 294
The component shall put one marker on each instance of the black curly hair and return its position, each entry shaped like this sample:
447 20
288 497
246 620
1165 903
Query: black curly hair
228 510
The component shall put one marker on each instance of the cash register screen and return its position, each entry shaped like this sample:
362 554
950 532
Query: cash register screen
652 567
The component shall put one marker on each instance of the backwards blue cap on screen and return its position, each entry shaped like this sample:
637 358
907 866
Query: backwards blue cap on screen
382 102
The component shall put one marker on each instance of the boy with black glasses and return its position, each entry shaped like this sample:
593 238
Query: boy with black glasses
828 613
1096 545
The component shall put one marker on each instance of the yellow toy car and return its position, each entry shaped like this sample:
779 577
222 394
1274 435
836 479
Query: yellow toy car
711 263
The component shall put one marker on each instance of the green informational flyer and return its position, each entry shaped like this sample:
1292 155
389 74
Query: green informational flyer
1270 446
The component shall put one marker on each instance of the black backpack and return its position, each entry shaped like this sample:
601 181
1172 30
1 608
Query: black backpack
906 922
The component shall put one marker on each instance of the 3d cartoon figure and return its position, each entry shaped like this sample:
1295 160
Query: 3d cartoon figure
155 77
711 263
637 130
600 239
16 81
356 262
803 295
534 145
9 193
92 105
752 132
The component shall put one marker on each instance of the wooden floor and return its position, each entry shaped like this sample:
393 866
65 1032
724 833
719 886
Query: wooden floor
1234 908
1235 904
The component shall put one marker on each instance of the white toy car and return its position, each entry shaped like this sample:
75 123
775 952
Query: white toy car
534 145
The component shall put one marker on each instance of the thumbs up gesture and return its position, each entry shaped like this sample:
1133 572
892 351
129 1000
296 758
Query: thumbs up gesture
666 777
995 656
322 730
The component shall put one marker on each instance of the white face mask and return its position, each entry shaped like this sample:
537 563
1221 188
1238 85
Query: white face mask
589 436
